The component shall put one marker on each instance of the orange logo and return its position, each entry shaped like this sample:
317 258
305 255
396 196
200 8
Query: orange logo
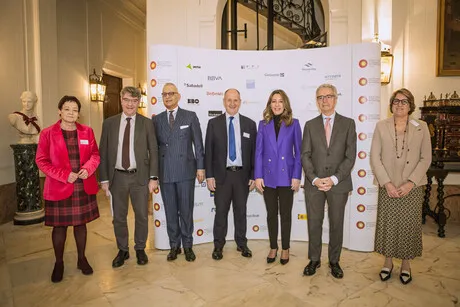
153 65
362 81
255 228
360 225
156 190
154 100
362 155
362 63
153 82
362 117
361 208
156 206
362 173
361 191
362 99
157 223
199 232
362 136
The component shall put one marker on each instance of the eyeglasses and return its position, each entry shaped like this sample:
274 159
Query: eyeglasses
322 97
128 100
166 94
404 102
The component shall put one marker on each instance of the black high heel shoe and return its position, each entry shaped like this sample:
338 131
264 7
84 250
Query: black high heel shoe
271 260
284 261
405 276
385 273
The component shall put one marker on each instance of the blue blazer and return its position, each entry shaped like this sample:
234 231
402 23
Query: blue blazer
277 162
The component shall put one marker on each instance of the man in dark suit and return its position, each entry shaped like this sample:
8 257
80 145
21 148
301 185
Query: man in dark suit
129 169
230 148
181 155
328 156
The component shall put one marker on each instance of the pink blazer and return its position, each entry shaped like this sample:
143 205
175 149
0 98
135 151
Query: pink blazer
53 159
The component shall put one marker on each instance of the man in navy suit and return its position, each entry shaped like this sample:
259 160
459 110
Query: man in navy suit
181 159
230 147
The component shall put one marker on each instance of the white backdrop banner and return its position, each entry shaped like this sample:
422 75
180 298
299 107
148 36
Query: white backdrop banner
202 76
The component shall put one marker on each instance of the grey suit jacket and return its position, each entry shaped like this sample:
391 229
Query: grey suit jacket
145 148
338 159
181 149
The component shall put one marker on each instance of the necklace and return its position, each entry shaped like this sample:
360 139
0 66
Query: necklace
403 141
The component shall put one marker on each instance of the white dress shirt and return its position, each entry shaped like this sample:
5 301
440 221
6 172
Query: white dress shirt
236 125
121 133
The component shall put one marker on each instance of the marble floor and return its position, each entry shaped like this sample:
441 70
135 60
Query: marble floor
26 262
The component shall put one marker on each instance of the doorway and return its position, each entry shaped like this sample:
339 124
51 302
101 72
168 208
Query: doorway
112 104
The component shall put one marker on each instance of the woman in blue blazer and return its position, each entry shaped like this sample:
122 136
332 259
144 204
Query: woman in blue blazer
278 168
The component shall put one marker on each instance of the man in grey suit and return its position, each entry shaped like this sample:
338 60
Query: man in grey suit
230 149
129 169
180 144
328 156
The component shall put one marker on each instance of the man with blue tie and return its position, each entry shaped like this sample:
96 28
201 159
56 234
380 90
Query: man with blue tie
230 147
181 159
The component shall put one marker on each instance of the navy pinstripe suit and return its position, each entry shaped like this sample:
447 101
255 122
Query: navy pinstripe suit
178 165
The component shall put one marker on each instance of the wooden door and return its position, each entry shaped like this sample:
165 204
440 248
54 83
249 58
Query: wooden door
112 104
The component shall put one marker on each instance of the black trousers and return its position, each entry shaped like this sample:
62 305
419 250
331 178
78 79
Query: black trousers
279 199
234 190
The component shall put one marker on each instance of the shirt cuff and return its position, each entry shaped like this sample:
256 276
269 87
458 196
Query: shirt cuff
334 180
313 182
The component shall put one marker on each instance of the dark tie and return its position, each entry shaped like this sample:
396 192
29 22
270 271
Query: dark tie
125 149
171 119
231 141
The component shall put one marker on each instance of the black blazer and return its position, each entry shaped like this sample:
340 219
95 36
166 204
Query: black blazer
216 147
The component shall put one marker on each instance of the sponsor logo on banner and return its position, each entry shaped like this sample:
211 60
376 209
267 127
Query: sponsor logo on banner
200 185
198 220
193 100
156 191
249 101
362 136
153 83
302 216
255 228
360 225
191 67
199 204
280 74
361 190
361 208
199 232
193 85
153 65
362 117
157 223
332 77
308 67
362 81
362 173
362 155
208 93
156 206
214 78
211 194
250 66
252 215
153 100
362 99
362 63
250 84
212 113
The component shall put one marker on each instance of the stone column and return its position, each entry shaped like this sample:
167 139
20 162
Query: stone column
29 205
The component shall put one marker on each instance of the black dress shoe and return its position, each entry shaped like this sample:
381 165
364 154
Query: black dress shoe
173 253
83 265
119 260
336 270
58 272
217 254
271 260
311 267
141 256
189 254
245 251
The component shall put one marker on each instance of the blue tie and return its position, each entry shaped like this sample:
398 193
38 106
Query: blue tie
231 141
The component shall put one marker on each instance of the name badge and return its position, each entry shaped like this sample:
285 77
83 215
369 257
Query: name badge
84 142
246 135
414 122
184 126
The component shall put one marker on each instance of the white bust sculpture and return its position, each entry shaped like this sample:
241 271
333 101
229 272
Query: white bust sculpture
25 121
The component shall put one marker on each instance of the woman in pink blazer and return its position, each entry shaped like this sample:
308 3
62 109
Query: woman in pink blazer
278 169
68 155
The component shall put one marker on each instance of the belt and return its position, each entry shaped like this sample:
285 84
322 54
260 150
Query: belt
129 171
234 168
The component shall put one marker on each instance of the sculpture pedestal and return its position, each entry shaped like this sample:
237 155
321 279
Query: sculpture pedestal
29 206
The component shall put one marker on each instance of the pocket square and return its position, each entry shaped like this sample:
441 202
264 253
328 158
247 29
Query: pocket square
184 126
246 135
